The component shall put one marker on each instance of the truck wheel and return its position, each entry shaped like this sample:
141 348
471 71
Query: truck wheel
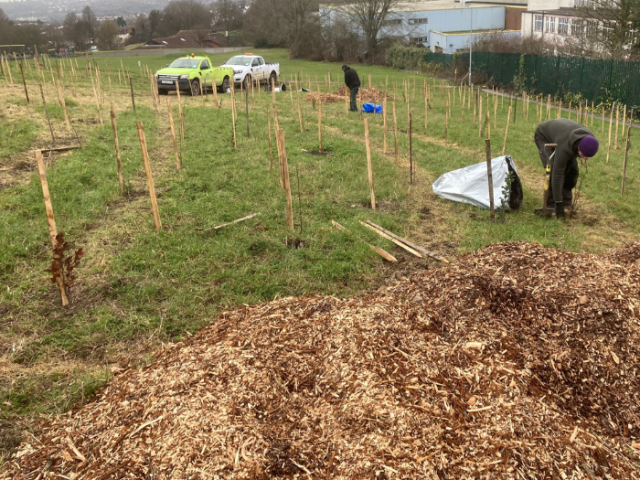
246 83
162 91
195 88
273 79
225 85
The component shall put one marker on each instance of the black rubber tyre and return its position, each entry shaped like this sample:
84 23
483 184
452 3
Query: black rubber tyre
273 78
162 91
247 82
225 85
195 88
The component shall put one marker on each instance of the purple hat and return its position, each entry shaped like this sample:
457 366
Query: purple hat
588 145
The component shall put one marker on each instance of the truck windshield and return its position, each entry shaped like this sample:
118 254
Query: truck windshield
185 63
240 60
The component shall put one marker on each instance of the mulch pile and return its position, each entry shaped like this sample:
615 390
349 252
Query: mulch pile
364 95
515 362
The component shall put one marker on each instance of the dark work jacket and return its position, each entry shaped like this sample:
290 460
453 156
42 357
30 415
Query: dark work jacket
351 78
567 134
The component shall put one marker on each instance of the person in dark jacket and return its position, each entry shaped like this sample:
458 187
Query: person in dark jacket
573 140
352 81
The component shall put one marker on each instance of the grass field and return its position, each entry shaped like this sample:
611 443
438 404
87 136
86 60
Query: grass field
137 288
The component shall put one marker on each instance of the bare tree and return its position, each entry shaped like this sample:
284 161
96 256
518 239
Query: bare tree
604 28
75 30
184 15
227 15
370 16
91 23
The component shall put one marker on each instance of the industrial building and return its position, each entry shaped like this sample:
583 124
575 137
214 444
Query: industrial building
443 26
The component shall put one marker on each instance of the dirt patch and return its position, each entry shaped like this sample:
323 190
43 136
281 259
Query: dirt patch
318 153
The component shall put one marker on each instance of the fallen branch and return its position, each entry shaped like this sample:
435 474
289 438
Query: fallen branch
240 220
408 243
383 253
60 149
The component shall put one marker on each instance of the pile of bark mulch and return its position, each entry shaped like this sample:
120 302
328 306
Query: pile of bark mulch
364 95
515 362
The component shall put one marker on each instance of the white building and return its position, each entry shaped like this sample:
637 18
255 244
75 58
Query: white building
441 25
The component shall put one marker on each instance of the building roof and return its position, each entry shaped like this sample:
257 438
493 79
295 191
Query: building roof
423 6
186 39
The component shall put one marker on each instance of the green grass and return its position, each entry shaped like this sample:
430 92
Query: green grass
137 287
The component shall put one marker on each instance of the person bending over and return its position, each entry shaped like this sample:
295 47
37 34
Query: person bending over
352 81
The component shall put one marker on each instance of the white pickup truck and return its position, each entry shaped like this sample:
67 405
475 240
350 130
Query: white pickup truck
249 68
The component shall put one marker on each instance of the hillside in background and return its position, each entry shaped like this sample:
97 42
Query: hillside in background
57 9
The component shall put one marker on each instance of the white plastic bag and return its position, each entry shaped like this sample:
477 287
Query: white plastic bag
470 185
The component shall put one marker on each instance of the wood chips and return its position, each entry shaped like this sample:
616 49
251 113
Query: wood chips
364 95
515 362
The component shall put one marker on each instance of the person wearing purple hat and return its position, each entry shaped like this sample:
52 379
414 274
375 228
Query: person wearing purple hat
573 140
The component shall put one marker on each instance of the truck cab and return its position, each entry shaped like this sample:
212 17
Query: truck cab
192 74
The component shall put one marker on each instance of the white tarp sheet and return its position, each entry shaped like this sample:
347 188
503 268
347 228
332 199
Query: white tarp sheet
470 184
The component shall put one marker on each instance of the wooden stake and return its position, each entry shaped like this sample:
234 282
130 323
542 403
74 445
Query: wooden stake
133 99
270 141
319 122
506 131
617 147
285 171
384 124
602 126
410 152
173 135
51 222
147 170
233 117
95 95
395 131
626 157
369 166
299 111
246 108
117 145
24 83
46 112
610 128
548 116
480 118
487 143
64 107
624 119
446 124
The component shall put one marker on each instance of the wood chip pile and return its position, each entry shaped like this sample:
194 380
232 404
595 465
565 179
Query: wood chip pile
515 362
364 95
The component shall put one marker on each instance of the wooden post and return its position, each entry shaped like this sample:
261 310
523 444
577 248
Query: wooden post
51 222
246 107
95 95
270 141
299 111
488 123
479 118
506 131
173 135
117 145
384 123
487 143
548 116
610 128
395 131
602 126
369 166
24 83
626 157
617 147
46 112
319 122
133 99
285 175
495 112
233 118
273 92
64 107
446 123
426 109
147 170
624 119
410 152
